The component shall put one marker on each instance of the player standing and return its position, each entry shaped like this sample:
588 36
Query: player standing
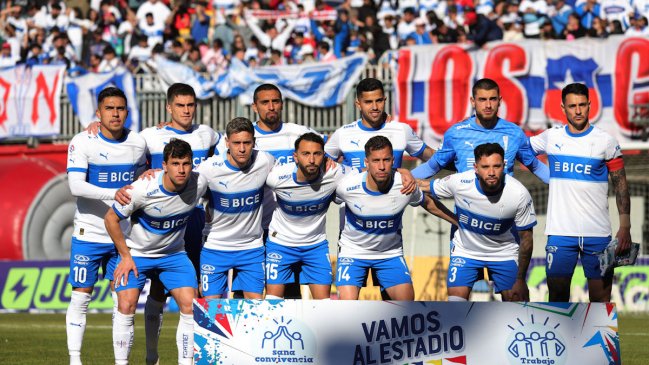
372 234
581 158
160 209
234 232
488 204
97 167
297 245
484 127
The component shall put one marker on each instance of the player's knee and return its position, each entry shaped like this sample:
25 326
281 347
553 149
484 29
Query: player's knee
126 306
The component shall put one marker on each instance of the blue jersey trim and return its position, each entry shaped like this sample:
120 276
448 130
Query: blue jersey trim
369 129
421 150
120 215
162 188
115 141
261 131
77 169
529 226
180 131
577 135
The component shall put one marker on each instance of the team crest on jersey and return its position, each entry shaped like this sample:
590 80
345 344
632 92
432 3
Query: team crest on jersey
71 148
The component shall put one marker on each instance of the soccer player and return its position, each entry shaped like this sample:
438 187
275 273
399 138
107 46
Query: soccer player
488 204
160 209
204 141
484 127
372 234
297 245
581 158
349 140
97 166
234 232
278 138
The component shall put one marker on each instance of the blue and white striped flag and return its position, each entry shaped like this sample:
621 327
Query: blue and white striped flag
83 90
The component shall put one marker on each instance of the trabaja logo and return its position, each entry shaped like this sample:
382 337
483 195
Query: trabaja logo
286 341
536 343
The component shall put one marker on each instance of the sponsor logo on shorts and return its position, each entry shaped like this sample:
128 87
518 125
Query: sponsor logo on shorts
205 268
551 249
273 256
81 259
458 261
346 260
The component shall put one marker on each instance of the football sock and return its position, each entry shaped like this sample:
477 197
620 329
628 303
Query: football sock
152 327
75 324
185 339
123 329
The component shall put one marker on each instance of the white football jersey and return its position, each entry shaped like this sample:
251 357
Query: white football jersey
300 216
485 223
281 144
236 197
201 138
107 165
578 199
349 141
373 219
158 216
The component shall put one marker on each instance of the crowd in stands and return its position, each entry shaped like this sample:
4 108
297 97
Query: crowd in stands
207 36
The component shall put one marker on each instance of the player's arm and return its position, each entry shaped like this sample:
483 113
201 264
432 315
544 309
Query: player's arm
436 208
437 161
528 158
79 187
623 202
126 265
520 291
427 154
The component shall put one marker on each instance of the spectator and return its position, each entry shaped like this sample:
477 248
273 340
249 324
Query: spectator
296 47
275 58
194 60
60 59
534 15
157 9
126 30
36 56
95 60
483 29
152 30
140 53
324 52
586 11
200 23
178 24
574 29
420 35
6 59
599 29
558 13
512 31
342 28
110 62
406 25
215 59
639 28
620 10
390 31
177 51
443 34
270 37
97 44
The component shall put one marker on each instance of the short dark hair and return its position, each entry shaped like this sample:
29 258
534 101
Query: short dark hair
177 148
239 124
574 88
178 89
484 84
488 149
368 84
377 143
324 45
265 87
311 137
110 92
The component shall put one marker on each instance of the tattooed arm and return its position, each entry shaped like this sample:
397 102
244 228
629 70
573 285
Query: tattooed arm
623 201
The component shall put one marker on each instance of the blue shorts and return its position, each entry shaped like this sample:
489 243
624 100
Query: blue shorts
463 271
174 271
248 265
309 264
85 260
389 272
561 253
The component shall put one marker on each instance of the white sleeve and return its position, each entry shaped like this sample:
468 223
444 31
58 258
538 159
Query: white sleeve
125 211
525 215
414 145
612 148
332 147
78 171
416 198
443 188
341 171
539 143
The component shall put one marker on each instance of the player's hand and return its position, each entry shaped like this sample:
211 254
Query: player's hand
424 185
409 182
162 125
329 164
387 117
93 128
122 196
148 174
520 291
623 240
125 266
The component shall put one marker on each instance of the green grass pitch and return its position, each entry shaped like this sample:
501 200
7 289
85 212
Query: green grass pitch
40 339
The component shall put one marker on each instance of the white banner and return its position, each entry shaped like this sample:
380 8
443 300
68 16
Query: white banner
376 332
322 84
434 83
30 100
83 91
